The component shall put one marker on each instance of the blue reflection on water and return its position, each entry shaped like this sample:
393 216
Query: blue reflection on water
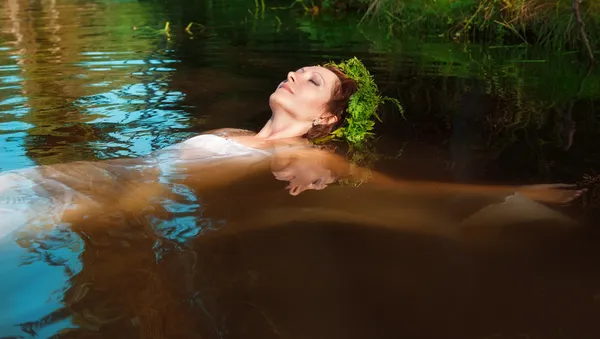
97 88
40 270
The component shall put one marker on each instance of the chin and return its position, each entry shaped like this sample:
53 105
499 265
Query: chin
273 97
278 100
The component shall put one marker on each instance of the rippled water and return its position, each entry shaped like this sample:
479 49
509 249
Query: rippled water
97 80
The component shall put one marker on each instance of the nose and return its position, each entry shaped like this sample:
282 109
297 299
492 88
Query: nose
291 77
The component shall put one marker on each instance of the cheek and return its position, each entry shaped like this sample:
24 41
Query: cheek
319 102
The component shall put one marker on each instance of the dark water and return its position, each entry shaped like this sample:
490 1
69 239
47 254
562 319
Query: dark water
97 80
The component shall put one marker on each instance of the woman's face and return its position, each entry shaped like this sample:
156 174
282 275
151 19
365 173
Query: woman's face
304 94
303 171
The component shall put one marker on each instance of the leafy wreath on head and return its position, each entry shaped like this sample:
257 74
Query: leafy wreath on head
361 112
362 106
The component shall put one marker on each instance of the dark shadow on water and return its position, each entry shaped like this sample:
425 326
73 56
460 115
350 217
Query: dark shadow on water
339 280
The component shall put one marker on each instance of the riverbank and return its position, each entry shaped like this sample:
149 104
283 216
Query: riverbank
550 23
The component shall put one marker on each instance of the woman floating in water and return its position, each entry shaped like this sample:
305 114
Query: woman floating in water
313 102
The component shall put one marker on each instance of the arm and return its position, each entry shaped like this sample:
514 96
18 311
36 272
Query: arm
547 193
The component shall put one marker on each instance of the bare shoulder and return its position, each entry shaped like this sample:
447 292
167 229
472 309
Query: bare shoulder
230 132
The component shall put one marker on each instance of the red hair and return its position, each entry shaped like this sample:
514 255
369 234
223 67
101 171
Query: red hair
338 105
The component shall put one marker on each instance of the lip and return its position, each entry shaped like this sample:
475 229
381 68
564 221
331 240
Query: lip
286 87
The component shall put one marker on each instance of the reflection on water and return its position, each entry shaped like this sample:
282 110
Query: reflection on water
36 274
99 80
75 86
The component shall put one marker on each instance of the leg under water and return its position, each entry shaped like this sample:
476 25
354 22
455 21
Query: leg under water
260 204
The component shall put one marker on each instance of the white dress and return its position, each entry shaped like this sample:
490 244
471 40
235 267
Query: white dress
33 195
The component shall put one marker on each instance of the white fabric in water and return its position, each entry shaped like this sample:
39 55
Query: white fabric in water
201 149
516 208
208 146
24 200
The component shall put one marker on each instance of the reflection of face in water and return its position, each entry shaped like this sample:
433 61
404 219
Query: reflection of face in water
302 173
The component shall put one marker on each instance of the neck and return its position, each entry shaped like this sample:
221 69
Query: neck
282 126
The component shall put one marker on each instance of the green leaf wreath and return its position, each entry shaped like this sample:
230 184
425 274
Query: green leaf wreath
363 104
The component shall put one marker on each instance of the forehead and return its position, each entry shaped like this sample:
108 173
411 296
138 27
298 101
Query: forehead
329 76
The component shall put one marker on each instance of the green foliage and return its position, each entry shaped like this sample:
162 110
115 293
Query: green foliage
545 22
363 104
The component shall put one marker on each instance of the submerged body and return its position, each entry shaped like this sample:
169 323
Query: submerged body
49 196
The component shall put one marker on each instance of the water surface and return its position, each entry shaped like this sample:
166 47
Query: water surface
100 80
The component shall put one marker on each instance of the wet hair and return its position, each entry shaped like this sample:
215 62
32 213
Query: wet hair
338 105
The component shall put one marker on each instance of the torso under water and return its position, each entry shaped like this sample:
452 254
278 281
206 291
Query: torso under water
40 194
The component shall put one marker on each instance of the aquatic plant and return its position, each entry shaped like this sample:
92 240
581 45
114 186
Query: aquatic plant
363 104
